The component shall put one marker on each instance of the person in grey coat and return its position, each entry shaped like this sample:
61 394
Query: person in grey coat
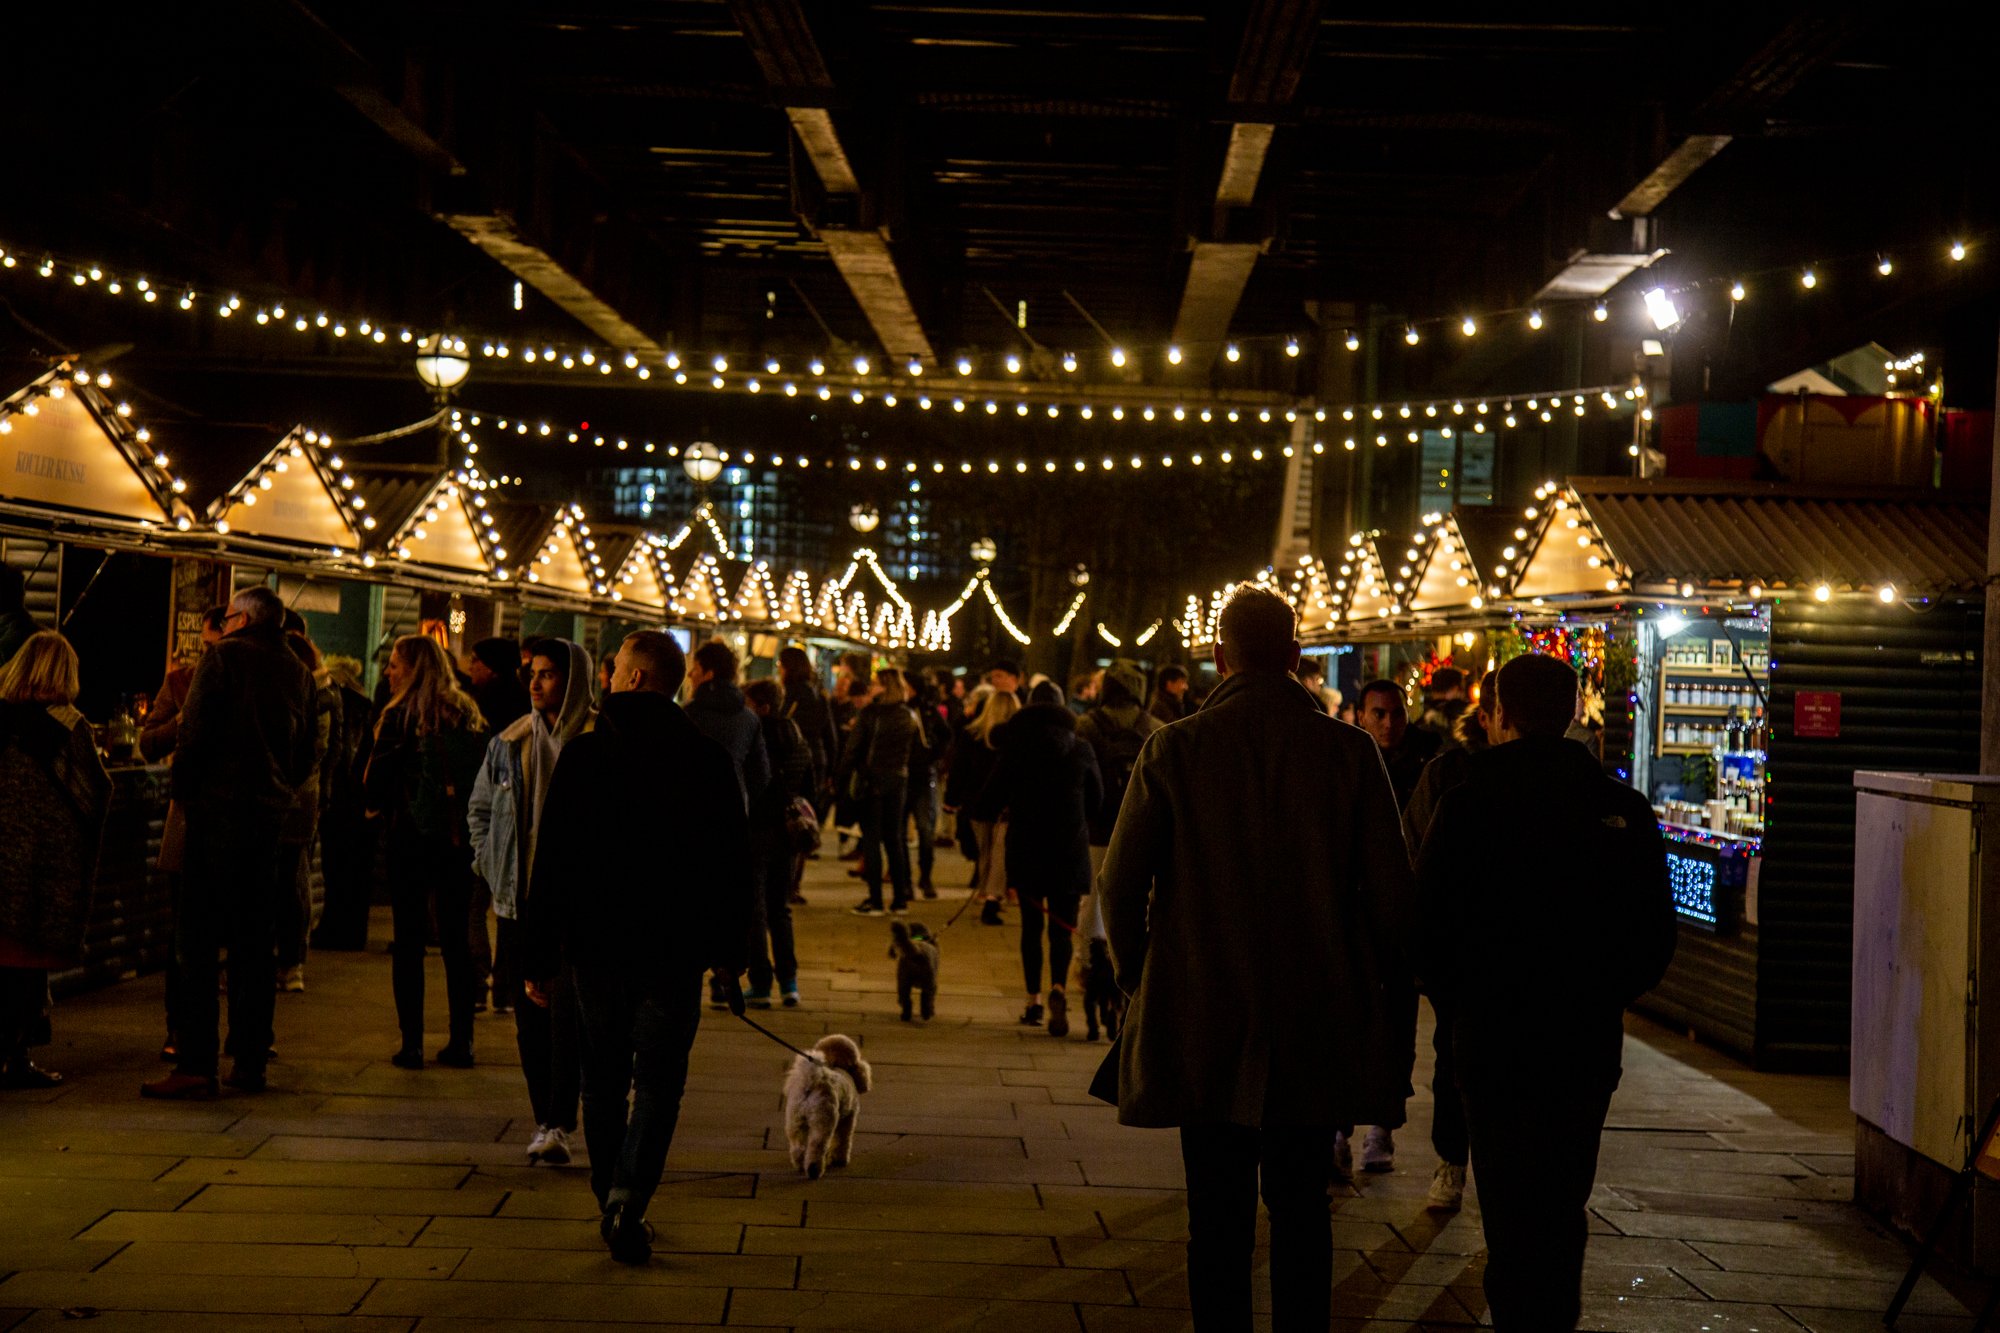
1257 921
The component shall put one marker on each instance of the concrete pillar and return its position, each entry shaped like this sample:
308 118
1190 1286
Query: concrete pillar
1989 712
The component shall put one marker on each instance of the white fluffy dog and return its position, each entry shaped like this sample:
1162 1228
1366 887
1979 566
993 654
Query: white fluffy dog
822 1097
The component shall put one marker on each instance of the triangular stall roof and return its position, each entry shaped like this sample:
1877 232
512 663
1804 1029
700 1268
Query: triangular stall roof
65 446
563 558
638 579
1458 558
1367 595
445 530
295 495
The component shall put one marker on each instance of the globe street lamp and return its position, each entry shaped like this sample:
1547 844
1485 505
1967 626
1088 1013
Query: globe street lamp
864 517
702 462
985 551
441 366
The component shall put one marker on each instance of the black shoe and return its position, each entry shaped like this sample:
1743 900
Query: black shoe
408 1058
868 908
989 915
246 1080
1031 1017
927 890
24 1075
455 1055
1058 1014
631 1242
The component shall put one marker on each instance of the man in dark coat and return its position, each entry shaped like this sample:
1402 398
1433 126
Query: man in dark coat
715 706
637 928
1047 784
1539 963
494 668
1255 919
248 740
1379 711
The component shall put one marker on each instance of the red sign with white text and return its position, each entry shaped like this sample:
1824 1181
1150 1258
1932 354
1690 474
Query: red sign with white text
1816 713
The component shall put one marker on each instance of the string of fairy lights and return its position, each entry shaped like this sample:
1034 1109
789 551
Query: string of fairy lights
1377 425
1071 386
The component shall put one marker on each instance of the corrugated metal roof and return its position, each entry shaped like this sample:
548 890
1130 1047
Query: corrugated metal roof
1774 535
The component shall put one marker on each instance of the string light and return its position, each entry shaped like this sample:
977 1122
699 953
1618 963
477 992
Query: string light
1535 319
1957 251
1808 279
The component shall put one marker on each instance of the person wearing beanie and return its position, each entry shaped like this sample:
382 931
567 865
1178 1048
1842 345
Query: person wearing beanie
1115 728
494 668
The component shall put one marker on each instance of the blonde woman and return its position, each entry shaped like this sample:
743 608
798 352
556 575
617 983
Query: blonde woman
53 796
428 747
972 764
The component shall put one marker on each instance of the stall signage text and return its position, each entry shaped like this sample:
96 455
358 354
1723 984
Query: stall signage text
1816 713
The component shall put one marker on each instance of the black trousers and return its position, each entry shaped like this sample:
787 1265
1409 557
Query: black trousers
549 1040
1226 1167
1056 908
1532 1203
24 998
1448 1135
229 899
882 832
347 862
773 949
425 878
636 1040
294 921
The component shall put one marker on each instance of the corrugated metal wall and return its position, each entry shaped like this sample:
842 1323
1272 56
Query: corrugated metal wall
1909 684
40 563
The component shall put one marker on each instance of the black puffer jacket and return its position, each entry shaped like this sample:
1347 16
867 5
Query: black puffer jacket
879 747
248 737
1047 781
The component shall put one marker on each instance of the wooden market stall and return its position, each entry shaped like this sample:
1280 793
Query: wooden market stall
1768 641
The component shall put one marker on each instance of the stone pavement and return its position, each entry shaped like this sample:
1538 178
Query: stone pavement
988 1191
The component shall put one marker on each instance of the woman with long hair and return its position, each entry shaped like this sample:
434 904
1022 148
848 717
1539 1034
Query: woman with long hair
972 764
54 793
876 771
428 747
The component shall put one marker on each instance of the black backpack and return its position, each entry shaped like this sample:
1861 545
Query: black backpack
1118 756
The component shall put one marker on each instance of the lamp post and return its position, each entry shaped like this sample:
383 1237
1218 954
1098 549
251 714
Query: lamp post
442 365
985 551
702 463
864 518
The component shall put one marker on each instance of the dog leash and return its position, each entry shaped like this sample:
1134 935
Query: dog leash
813 1056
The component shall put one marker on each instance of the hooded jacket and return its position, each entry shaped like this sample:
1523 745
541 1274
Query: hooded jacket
642 868
505 808
718 712
879 746
1047 781
248 736
1546 911
1260 923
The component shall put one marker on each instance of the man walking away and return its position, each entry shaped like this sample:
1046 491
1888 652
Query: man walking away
1254 918
1116 730
715 706
1170 687
638 928
1540 996
1474 731
503 820
245 745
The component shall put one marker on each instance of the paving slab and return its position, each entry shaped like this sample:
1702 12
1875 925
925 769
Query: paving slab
988 1190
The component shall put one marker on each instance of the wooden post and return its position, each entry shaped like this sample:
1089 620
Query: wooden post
1989 712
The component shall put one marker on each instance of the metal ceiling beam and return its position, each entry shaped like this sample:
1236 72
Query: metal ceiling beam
796 71
503 243
1277 44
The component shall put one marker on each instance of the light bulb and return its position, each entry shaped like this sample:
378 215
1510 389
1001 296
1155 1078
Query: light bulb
915 367
1808 280
1291 347
1822 593
1534 319
861 365
964 366
1013 364
1173 356
1118 356
1601 312
1231 353
1887 592
1069 362
1957 251
1468 328
1736 291
1410 335
1353 343
1884 266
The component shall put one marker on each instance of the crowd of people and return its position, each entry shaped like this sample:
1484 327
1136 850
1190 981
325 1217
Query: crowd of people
1275 889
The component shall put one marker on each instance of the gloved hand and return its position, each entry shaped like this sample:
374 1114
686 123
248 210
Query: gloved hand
732 993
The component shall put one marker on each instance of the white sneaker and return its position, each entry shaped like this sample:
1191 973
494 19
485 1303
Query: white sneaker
1343 1159
1447 1188
555 1146
292 979
1378 1150
537 1143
